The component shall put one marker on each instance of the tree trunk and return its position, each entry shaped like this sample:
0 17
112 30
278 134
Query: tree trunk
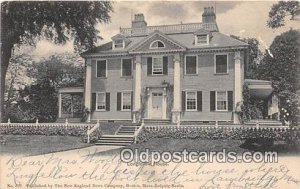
5 56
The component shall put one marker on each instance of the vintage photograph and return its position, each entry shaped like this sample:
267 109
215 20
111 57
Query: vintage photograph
150 94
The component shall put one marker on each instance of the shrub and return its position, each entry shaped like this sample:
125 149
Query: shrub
279 134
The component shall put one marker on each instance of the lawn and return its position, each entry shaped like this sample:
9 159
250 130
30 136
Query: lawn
39 144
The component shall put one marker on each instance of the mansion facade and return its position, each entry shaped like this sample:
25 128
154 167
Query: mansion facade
182 72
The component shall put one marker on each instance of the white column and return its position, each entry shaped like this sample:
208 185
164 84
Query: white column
88 87
137 88
59 105
176 99
238 88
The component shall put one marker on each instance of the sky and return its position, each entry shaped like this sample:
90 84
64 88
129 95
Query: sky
240 18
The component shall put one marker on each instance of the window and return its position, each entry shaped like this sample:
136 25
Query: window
126 67
201 39
157 66
126 101
101 68
221 99
191 101
221 64
101 101
157 45
190 65
118 44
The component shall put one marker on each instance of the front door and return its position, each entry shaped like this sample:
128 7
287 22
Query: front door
156 111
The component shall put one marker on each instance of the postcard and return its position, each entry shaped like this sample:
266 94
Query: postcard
150 94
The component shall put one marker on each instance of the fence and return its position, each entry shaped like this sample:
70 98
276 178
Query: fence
85 130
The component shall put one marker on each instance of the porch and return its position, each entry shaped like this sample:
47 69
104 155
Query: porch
262 90
70 102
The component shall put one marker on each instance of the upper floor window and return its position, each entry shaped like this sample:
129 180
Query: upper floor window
101 68
157 45
118 44
221 63
221 99
201 39
190 65
157 65
126 67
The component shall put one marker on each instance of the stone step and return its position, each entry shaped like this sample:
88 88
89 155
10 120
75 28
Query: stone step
115 140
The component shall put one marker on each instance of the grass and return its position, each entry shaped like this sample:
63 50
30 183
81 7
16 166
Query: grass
39 144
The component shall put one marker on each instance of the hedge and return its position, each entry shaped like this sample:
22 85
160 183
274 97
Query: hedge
77 131
279 134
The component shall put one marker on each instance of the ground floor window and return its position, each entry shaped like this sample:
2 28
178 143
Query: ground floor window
221 99
101 101
126 101
191 100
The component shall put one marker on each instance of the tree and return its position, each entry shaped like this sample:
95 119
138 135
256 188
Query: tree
255 56
39 99
16 76
280 10
282 67
61 70
58 21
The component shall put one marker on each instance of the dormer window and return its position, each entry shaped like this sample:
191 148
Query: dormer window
201 39
157 45
118 44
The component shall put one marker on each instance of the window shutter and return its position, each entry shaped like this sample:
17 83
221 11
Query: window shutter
119 95
165 65
93 107
107 101
212 101
230 100
199 101
149 66
183 101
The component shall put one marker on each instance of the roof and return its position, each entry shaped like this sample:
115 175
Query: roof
185 40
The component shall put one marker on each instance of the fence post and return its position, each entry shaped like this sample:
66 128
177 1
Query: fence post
257 124
8 122
66 122
36 122
217 124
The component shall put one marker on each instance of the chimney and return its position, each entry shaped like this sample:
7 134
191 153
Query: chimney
209 15
139 21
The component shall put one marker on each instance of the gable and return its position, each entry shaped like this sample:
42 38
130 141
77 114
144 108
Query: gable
170 44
